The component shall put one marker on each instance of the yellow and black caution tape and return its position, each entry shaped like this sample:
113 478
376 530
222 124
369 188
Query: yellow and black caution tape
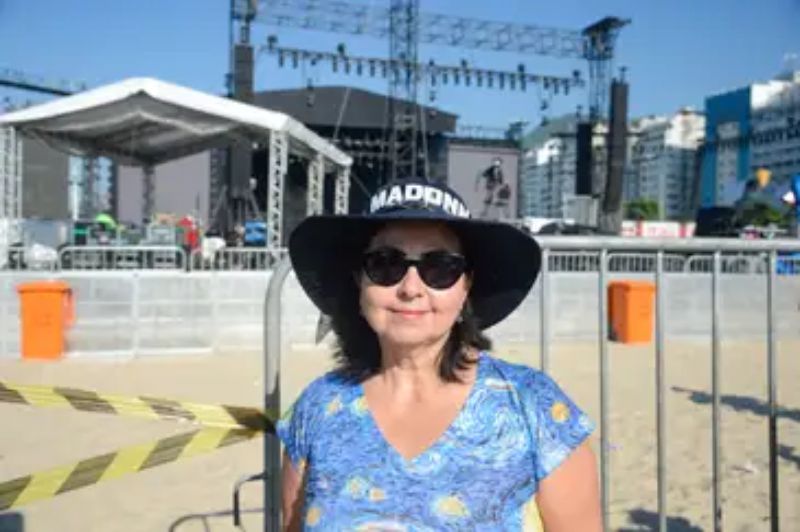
221 416
46 484
223 425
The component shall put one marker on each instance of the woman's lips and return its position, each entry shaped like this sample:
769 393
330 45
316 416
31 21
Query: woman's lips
408 313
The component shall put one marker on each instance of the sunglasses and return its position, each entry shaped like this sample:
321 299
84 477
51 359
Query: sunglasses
438 269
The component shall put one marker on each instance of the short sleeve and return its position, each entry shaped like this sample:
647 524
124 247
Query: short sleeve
296 426
560 426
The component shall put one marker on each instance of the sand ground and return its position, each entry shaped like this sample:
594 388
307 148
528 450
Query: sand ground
195 494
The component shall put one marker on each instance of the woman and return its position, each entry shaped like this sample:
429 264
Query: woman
419 427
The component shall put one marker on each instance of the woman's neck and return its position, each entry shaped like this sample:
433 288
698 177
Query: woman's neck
415 370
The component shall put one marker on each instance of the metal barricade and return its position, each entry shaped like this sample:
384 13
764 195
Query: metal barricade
122 258
740 263
594 254
572 261
20 258
237 259
643 263
139 313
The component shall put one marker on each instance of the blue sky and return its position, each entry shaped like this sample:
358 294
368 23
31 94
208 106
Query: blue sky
676 52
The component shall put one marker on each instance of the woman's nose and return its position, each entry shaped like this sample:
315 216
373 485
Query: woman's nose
411 284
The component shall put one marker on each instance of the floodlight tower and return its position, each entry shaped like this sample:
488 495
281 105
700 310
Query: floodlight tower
403 81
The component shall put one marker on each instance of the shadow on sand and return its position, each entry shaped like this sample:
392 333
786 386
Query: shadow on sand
740 403
789 454
646 520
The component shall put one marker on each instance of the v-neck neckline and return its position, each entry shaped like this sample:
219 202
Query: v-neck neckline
442 436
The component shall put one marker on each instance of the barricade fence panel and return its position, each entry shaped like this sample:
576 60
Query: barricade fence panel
112 258
160 312
122 258
236 259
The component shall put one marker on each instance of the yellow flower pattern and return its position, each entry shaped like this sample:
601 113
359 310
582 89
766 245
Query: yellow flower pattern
359 406
356 487
451 506
334 406
377 495
313 516
559 412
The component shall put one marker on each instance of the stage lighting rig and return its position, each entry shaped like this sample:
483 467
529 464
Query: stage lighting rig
436 74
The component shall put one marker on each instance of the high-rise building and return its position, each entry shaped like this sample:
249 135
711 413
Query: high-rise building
661 164
547 180
662 161
753 127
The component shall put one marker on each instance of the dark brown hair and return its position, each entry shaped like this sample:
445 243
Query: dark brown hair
358 353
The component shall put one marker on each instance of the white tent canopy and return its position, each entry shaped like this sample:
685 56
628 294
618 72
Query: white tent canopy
145 122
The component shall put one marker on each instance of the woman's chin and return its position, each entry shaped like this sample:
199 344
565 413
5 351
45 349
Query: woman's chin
408 338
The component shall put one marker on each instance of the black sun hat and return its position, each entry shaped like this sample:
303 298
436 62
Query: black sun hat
504 261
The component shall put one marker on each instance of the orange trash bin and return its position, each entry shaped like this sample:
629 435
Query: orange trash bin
630 311
46 310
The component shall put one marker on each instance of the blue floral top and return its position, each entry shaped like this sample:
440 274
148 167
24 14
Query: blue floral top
515 427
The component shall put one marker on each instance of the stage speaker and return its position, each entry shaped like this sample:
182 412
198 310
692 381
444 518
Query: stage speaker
583 165
241 169
243 73
617 142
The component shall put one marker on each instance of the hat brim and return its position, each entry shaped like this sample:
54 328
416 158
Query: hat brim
325 252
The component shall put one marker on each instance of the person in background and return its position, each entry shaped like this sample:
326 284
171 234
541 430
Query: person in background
420 426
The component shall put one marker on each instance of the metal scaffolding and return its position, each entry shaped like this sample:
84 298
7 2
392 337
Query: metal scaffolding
341 191
595 43
403 83
276 177
316 186
10 189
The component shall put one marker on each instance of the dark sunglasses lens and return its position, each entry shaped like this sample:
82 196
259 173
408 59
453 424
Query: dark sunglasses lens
385 266
440 269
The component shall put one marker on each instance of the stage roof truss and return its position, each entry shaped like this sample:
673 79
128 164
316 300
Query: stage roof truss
145 122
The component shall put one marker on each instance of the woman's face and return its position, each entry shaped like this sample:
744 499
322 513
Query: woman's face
411 313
